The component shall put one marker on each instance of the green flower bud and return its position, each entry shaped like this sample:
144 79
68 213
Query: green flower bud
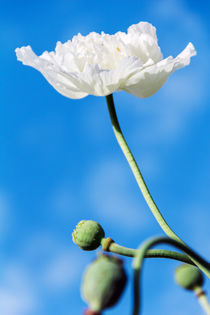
88 235
188 277
103 282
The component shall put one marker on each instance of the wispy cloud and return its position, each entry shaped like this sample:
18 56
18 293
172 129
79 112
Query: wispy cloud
111 199
63 271
16 293
61 264
178 10
45 267
165 116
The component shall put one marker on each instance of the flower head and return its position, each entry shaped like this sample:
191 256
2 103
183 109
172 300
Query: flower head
100 64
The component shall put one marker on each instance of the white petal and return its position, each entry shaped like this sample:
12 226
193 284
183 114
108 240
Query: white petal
148 81
143 38
104 82
59 80
183 59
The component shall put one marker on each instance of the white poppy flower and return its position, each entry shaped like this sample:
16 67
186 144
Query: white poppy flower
100 64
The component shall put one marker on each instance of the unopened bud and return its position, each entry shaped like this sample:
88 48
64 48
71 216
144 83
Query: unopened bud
189 277
103 283
88 235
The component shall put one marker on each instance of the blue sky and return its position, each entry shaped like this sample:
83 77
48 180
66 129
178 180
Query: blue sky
60 162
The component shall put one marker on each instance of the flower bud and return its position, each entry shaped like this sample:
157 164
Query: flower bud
188 277
103 282
88 235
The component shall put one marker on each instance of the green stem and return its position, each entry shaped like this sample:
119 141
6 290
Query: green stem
154 253
138 263
139 178
202 299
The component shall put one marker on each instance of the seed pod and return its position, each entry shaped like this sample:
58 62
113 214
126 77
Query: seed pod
103 282
188 277
88 235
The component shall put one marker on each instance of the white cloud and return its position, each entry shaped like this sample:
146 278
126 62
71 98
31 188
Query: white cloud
63 271
16 294
59 266
45 267
178 10
166 116
15 302
111 198
181 100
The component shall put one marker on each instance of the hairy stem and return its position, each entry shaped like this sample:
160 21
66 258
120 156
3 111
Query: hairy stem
138 263
139 178
154 253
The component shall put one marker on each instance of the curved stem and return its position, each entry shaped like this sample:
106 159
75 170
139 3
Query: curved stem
154 253
138 262
138 176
